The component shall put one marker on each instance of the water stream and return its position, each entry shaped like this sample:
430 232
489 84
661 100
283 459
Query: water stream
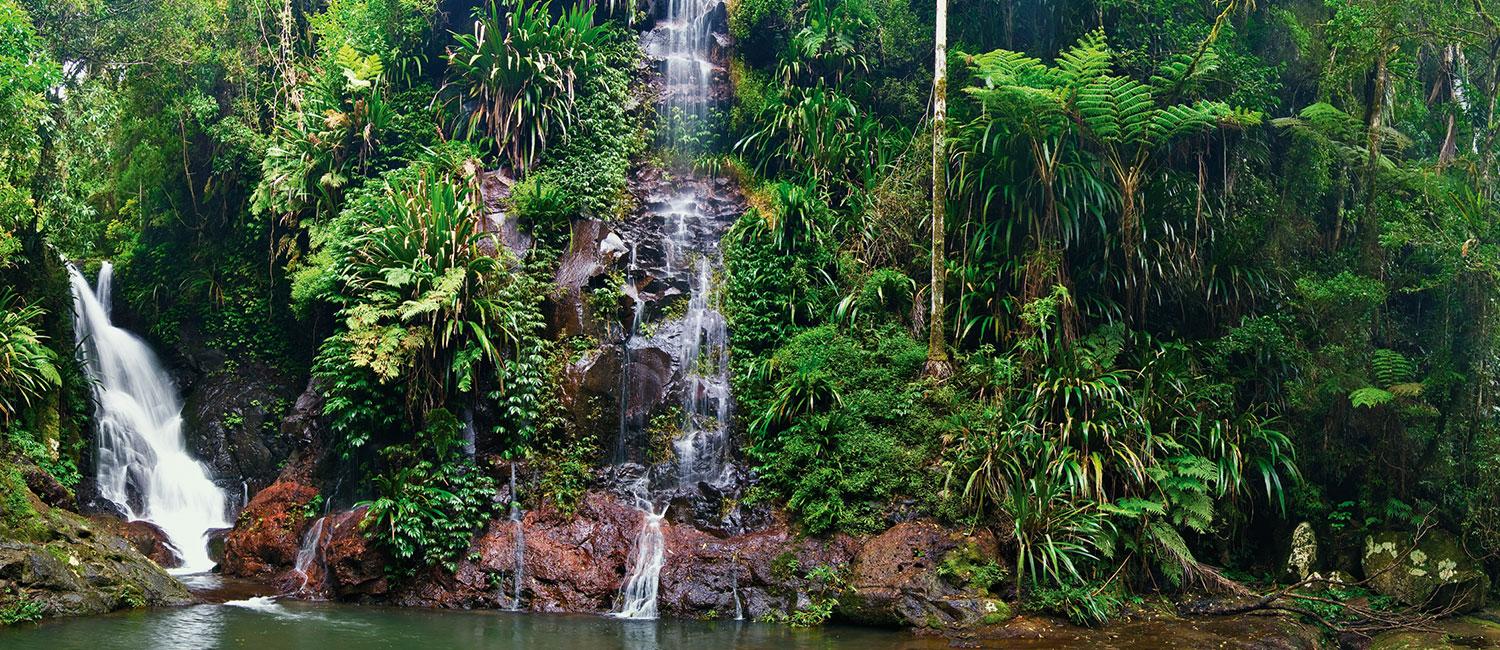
690 261
518 530
310 550
144 467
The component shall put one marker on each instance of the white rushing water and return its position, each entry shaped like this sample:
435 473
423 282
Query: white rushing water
705 395
518 532
310 550
644 578
143 463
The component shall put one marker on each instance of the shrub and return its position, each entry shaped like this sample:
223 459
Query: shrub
431 499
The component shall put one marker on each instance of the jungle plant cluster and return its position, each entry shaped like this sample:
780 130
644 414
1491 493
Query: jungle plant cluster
1212 268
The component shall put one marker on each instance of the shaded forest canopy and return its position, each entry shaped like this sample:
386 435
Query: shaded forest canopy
1212 267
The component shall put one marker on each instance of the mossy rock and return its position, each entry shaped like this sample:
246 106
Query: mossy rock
1432 573
64 565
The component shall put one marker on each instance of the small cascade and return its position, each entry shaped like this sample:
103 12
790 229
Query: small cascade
518 529
144 467
739 609
244 494
705 396
638 597
310 549
469 438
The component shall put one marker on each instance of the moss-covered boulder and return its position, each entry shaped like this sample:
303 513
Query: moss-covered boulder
1432 572
57 563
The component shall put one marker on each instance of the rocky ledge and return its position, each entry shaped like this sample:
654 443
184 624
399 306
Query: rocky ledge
62 564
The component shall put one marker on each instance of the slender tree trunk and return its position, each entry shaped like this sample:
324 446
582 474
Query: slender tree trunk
938 364
1369 226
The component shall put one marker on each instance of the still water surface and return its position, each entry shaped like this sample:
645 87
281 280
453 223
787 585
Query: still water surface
264 624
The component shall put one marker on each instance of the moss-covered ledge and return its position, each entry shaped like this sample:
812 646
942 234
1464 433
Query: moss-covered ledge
57 563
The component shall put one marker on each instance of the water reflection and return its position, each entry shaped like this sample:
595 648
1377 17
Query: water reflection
264 623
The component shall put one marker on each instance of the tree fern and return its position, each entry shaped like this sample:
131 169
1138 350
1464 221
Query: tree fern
1392 368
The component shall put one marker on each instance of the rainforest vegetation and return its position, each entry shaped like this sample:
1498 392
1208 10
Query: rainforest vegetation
1204 269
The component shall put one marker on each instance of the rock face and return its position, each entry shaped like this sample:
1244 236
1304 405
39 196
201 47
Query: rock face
355 569
1303 558
232 423
578 563
1432 572
82 568
895 579
150 540
267 534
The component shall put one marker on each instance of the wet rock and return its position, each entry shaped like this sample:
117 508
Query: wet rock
152 542
268 532
231 422
568 311
46 487
304 424
895 579
82 568
217 537
1151 631
1432 572
355 567
1303 558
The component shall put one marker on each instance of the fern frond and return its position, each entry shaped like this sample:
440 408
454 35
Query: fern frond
1370 397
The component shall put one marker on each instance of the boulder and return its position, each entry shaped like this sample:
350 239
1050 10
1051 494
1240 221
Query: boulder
268 532
355 568
1303 558
152 542
217 538
79 567
1432 572
895 579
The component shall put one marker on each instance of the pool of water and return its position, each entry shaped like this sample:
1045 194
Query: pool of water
267 624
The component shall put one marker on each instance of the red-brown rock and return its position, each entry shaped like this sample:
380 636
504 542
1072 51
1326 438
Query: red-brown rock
355 567
152 542
145 537
268 532
894 580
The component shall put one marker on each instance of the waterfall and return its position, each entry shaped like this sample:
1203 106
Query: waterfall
518 530
309 550
690 263
705 397
644 578
739 610
143 464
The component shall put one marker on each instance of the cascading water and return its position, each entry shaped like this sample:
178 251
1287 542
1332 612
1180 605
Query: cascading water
689 262
310 549
644 578
143 464
518 530
705 395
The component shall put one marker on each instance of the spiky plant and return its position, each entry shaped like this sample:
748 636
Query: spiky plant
521 68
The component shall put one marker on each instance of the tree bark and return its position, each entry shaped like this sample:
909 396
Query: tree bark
1369 226
938 364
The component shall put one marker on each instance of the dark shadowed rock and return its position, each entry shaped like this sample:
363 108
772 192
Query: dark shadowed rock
217 538
232 423
1432 572
355 567
46 487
